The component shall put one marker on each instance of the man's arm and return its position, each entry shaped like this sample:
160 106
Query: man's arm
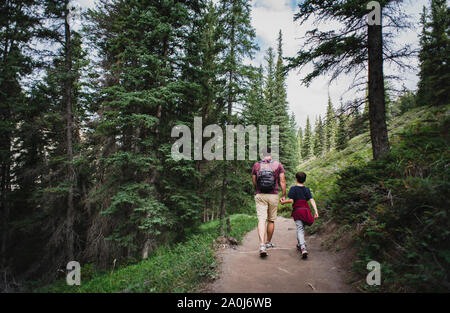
283 186
254 180
313 203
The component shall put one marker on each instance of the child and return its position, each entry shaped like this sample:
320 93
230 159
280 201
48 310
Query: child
299 196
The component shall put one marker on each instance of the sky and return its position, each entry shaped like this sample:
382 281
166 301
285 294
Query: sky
269 16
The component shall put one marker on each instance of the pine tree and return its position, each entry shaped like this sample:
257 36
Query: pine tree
356 123
273 109
201 70
319 138
46 197
330 127
342 131
300 142
388 101
280 116
407 101
270 83
141 94
255 112
307 141
67 184
352 48
435 55
18 20
294 149
238 37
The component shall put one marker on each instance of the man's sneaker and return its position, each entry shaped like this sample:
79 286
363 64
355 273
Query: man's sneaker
304 253
262 251
269 245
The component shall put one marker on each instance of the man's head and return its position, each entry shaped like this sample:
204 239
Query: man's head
301 177
267 155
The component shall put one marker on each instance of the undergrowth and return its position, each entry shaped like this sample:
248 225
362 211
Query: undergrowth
182 267
398 207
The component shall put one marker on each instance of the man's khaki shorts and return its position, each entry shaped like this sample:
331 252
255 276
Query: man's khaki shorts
266 206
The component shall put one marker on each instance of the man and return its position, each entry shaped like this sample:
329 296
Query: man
267 176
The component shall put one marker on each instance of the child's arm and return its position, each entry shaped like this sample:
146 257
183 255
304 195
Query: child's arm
313 203
286 201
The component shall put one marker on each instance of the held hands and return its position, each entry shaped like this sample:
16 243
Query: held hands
316 215
284 201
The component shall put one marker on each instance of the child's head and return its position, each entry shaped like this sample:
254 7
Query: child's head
301 177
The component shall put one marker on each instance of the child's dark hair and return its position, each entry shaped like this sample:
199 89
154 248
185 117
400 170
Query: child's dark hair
301 177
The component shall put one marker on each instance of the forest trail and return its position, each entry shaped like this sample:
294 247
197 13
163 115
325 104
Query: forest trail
283 270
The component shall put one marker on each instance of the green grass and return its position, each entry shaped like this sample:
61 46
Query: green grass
323 172
396 208
182 267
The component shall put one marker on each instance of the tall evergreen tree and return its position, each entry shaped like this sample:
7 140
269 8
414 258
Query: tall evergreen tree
353 48
330 127
238 37
17 20
202 67
300 142
294 149
307 146
44 171
255 112
142 59
342 131
270 83
319 138
435 55
280 116
356 123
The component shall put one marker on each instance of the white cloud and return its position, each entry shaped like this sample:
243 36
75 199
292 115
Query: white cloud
85 3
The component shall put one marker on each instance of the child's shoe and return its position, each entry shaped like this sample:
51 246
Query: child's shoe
304 253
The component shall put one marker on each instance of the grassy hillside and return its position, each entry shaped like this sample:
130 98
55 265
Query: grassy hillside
183 267
323 172
397 209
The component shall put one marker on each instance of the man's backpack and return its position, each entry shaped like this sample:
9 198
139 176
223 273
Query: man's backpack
265 178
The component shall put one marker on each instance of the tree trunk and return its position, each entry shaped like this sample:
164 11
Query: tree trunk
154 174
377 108
222 203
5 148
70 170
232 58
4 209
230 110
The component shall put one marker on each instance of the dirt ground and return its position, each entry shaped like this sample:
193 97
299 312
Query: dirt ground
243 271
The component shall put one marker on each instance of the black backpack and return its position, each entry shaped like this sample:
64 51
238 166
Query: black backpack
265 178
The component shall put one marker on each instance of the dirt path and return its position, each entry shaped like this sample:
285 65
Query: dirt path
243 271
